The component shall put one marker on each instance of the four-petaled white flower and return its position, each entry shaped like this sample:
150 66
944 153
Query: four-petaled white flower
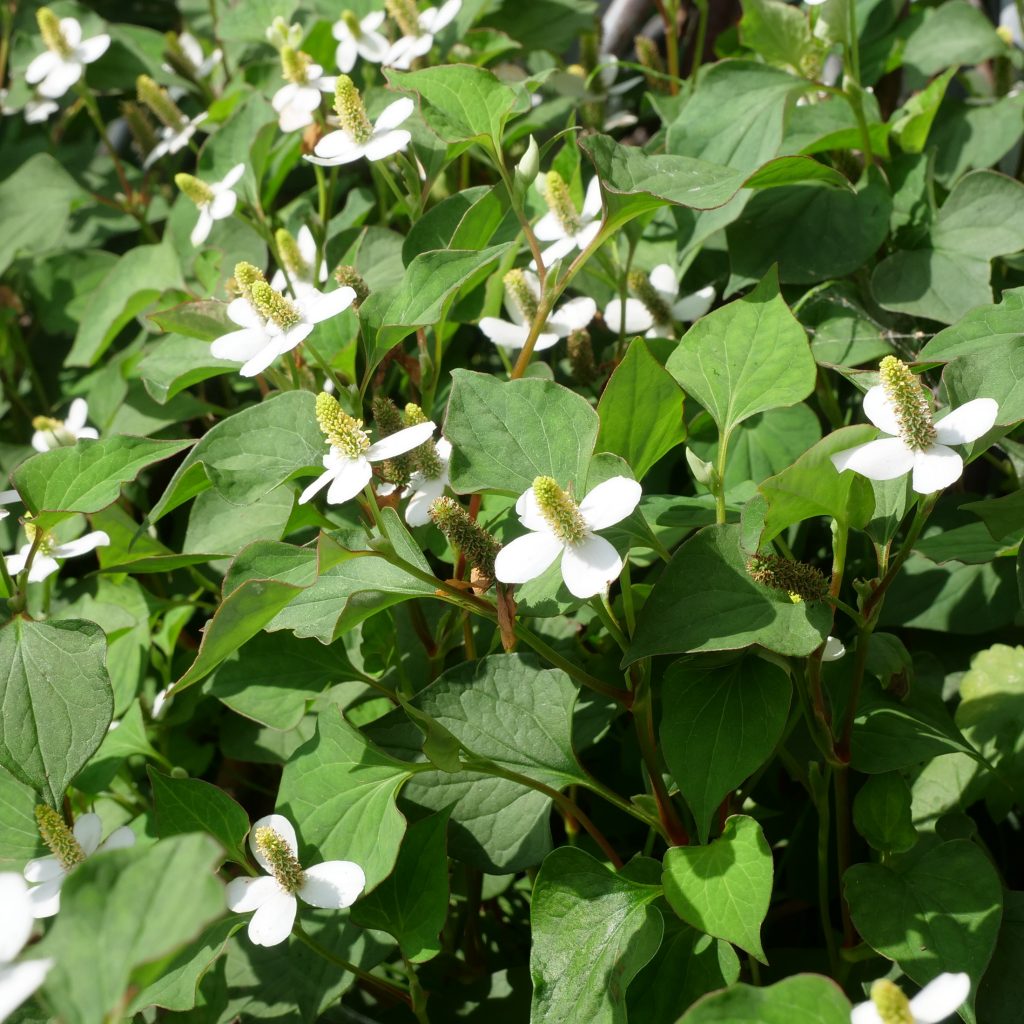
635 316
939 999
51 433
17 981
567 233
61 65
301 278
571 316
384 139
426 489
332 885
201 64
45 563
359 38
171 139
561 527
49 872
220 204
295 102
430 22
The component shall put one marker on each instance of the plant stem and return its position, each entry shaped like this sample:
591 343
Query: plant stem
824 834
723 450
841 779
699 41
607 617
671 42
324 365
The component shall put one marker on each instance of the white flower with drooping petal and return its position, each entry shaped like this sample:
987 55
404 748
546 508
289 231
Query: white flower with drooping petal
220 204
634 316
295 102
45 563
201 64
62 64
386 138
571 316
359 38
48 873
173 139
566 237
51 433
834 649
17 981
301 279
561 527
332 885
430 22
939 999
426 489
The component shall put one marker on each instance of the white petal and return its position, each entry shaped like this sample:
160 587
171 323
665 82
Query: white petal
347 52
306 243
82 546
349 481
333 885
317 486
19 981
503 333
42 566
385 143
426 492
638 317
204 224
39 110
592 200
884 459
60 79
693 307
88 831
87 434
610 502
78 413
526 557
337 145
440 18
880 410
663 279
92 49
967 423
587 234
936 468
865 1013
940 998
373 21
240 311
394 114
549 228
16 923
545 341
39 67
294 119
529 512
834 649
373 46
272 922
9 497
238 346
247 894
43 869
120 839
46 897
223 205
400 442
283 827
590 566
16 562
260 360
71 28
573 315
317 307
284 96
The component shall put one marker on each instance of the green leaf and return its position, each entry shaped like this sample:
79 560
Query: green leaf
980 332
412 903
1002 988
191 805
57 701
952 33
936 912
882 815
641 411
913 121
87 476
19 836
800 999
506 433
593 931
744 358
123 909
204 320
461 103
128 739
706 601
996 374
724 888
781 34
175 363
719 726
336 783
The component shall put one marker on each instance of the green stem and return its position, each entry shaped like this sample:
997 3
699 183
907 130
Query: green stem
699 41
324 366
841 779
824 835
607 617
723 451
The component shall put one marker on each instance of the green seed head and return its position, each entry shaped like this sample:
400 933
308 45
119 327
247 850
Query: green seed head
273 306
348 105
801 581
910 401
892 1005
561 513
405 14
50 30
283 863
140 127
295 65
424 458
560 202
349 277
640 285
345 434
351 20
581 356
465 534
159 101
288 250
520 294
59 839
246 275
198 191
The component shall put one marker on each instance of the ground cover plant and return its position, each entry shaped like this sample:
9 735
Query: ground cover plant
512 512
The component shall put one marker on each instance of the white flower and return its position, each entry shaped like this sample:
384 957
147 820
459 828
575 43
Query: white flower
571 316
47 552
52 433
332 885
939 999
636 316
406 49
296 101
385 138
7 498
17 981
359 38
61 65
563 235
220 204
935 466
161 701
425 489
301 279
834 649
261 340
35 110
561 527
49 872
173 139
201 65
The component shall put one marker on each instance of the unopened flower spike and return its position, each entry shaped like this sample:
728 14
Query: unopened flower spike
53 433
215 201
61 66
299 258
560 526
359 38
68 848
349 277
938 1000
565 227
465 534
177 129
332 885
801 581
47 551
17 980
297 101
358 137
522 298
656 305
900 407
281 34
581 357
348 464
418 29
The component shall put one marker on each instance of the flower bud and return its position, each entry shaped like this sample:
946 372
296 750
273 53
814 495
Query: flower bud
246 275
703 472
529 165
281 34
348 277
159 101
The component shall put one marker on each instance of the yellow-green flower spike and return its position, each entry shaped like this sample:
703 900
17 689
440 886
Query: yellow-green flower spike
556 194
178 59
283 863
273 306
801 581
349 277
520 294
198 191
910 402
425 458
140 127
159 101
560 512
649 56
295 65
351 20
892 1005
348 105
581 356
291 258
344 433
640 285
59 839
50 30
465 534
405 14
246 275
